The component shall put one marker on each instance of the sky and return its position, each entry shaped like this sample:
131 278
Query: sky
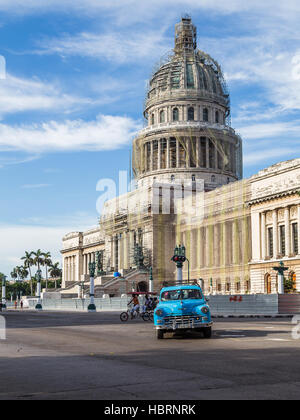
72 98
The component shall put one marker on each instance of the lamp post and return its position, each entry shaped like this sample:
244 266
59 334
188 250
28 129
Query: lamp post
179 258
280 270
151 280
38 276
4 293
92 268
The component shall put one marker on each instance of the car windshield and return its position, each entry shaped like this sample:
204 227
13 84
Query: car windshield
181 294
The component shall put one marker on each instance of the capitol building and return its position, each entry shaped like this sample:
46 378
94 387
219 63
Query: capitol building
189 189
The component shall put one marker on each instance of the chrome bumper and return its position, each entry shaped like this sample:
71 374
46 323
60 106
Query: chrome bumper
185 326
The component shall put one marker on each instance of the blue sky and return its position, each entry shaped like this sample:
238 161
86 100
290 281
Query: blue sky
73 96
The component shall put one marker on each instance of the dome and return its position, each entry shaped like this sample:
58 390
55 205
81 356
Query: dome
187 71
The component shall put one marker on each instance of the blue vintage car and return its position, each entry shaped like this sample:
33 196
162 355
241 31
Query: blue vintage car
182 307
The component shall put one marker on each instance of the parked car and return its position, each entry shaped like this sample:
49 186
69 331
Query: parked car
182 307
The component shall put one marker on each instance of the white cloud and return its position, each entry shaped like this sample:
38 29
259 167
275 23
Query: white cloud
39 233
116 47
105 133
21 95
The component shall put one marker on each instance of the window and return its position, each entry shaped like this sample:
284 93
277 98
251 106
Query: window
228 287
191 114
152 119
217 117
190 76
193 178
213 178
172 178
205 114
162 116
282 239
295 238
175 114
270 240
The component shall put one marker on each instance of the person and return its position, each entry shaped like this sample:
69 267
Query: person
136 304
148 303
21 304
16 304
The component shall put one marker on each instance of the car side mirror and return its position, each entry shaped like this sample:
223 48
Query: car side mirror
207 299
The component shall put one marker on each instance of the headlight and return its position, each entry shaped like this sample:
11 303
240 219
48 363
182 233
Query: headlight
204 309
159 312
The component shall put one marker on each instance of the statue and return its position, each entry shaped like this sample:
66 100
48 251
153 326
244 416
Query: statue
99 261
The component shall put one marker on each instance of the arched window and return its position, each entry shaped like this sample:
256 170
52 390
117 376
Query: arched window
193 178
217 117
162 116
191 114
175 114
213 178
152 119
205 114
172 178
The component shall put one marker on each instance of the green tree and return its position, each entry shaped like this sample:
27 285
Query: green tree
55 272
47 264
14 274
28 263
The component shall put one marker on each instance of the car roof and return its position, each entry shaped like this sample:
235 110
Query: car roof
181 286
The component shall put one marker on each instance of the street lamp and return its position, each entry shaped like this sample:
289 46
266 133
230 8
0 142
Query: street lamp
280 270
150 280
179 258
4 292
38 276
92 269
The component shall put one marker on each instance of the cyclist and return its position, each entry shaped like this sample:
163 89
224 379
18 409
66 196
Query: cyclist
136 304
148 304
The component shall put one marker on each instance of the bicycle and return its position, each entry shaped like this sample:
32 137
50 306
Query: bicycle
124 316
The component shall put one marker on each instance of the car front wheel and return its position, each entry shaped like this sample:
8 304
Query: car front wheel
207 332
159 334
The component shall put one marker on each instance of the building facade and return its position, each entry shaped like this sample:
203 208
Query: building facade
187 165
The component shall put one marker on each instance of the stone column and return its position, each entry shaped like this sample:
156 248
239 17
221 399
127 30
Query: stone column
216 156
145 157
120 253
224 244
159 154
207 152
198 152
263 236
177 153
287 231
131 247
275 234
168 154
115 260
151 156
125 250
235 243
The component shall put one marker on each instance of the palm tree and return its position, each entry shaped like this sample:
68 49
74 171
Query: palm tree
47 263
28 262
14 274
38 258
23 273
55 272
19 272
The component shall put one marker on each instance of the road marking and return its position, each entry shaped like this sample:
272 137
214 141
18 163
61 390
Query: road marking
276 339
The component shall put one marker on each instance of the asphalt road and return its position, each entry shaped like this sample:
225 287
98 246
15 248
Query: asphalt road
94 356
